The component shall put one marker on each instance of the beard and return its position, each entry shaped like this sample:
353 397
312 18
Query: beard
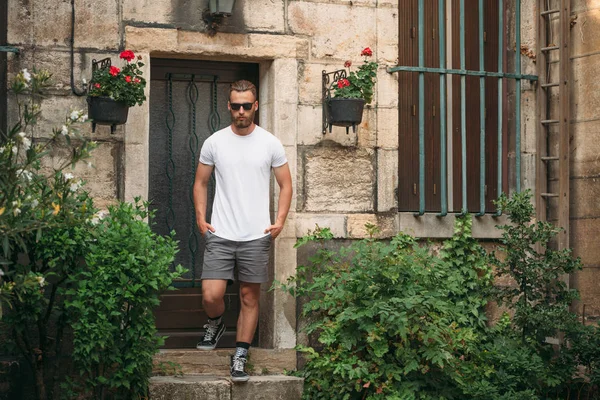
247 120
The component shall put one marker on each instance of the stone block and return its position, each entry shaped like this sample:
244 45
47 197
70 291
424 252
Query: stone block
20 22
310 124
264 15
285 80
387 128
286 46
586 281
189 387
431 226
583 199
283 122
308 222
387 36
385 223
585 147
310 77
585 88
315 20
339 179
151 39
269 388
387 180
584 39
136 171
183 14
386 90
584 235
367 131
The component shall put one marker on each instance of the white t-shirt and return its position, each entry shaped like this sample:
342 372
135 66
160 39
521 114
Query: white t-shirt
243 171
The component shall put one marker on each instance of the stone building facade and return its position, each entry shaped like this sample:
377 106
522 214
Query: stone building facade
342 180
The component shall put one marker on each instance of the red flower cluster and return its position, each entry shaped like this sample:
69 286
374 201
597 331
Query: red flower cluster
137 80
348 64
128 79
97 85
114 71
342 83
367 52
127 55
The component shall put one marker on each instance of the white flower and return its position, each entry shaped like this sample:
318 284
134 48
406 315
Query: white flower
15 203
14 149
34 203
95 220
83 118
1 272
74 115
41 280
64 131
26 143
74 186
68 176
26 75
22 134
27 174
16 211
2 149
84 81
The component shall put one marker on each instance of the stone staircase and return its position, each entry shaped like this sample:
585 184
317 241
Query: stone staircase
204 375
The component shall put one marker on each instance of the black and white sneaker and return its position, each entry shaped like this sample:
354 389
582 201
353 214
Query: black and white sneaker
238 365
211 336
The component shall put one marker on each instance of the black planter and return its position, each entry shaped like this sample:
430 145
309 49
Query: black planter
345 112
106 111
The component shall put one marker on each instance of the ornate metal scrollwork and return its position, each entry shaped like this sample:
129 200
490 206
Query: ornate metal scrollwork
329 79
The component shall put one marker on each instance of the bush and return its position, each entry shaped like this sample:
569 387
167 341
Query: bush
392 320
112 301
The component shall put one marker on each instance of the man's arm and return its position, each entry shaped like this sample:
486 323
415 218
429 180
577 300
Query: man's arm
200 196
284 179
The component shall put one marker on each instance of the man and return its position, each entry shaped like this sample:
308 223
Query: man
240 233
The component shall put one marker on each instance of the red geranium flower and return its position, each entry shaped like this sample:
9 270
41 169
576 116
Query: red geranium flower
97 85
114 71
127 55
348 64
342 83
367 52
137 80
128 79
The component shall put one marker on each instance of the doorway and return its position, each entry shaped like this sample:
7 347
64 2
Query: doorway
188 102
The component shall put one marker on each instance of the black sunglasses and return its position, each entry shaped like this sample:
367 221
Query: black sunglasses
236 106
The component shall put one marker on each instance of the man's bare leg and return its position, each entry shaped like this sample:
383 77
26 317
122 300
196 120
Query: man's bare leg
213 293
248 319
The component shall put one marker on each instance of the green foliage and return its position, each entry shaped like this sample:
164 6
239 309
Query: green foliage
124 85
391 319
111 305
360 83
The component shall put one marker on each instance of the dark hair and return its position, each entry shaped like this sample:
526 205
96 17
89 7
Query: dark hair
243 86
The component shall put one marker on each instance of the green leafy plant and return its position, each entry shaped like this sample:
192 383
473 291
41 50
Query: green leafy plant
44 223
360 83
123 85
112 300
388 320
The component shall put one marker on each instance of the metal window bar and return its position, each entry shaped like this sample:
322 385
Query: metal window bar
463 73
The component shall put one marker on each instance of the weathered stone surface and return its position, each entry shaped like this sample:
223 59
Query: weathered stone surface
584 39
386 88
190 388
269 388
310 81
264 15
367 131
102 176
586 281
387 36
387 180
338 179
431 226
584 240
585 147
308 222
309 124
20 22
529 122
284 303
216 362
583 199
585 88
315 20
184 14
385 223
387 128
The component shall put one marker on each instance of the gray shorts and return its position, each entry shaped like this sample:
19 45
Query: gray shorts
221 256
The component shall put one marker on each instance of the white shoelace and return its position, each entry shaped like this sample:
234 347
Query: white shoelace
211 331
238 364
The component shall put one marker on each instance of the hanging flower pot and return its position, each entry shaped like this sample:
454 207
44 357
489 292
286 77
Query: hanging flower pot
221 7
345 112
106 111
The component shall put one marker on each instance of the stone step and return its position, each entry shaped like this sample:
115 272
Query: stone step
216 362
206 387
